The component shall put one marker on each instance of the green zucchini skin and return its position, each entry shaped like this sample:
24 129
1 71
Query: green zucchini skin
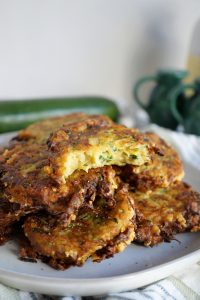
17 114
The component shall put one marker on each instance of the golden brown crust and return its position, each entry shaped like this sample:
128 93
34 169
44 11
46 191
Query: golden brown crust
116 245
41 130
164 169
95 228
163 213
10 214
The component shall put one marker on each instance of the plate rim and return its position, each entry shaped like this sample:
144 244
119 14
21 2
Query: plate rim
129 275
95 286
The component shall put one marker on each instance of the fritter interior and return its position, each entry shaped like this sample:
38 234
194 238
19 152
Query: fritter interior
165 212
92 143
98 232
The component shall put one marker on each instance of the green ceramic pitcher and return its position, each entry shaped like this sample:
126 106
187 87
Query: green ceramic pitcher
190 115
158 106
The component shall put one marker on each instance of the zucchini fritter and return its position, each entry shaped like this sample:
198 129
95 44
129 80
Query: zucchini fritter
24 180
165 212
164 169
92 143
26 165
98 232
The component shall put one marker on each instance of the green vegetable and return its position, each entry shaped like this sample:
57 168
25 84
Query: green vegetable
133 156
108 157
15 115
115 220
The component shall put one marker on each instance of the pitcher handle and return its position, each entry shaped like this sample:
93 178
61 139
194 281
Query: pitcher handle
137 86
173 100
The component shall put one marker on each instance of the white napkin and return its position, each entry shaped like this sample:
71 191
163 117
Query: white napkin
182 285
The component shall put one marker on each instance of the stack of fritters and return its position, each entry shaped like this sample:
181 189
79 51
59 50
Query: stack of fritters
62 168
83 186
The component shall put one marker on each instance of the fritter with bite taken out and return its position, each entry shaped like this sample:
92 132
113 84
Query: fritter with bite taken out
59 163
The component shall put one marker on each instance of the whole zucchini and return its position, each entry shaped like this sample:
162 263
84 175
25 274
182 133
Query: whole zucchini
17 114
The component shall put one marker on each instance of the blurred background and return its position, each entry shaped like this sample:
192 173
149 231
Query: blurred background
76 47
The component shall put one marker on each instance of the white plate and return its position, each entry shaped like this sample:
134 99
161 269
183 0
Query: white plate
135 267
